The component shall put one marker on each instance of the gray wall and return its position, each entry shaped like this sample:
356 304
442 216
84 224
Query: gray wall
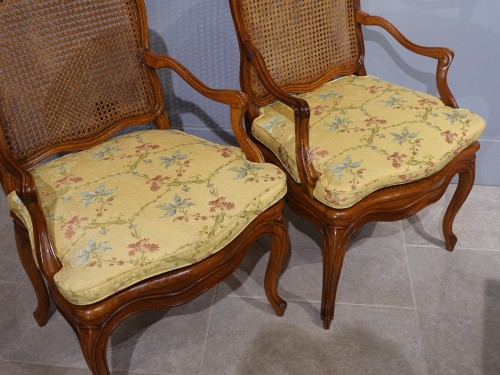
200 34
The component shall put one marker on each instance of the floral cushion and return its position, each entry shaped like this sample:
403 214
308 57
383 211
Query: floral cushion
143 204
366 134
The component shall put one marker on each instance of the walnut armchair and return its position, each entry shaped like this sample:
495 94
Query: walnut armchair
355 148
118 225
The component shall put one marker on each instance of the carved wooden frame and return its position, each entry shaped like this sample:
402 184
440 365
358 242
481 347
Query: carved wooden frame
388 204
94 323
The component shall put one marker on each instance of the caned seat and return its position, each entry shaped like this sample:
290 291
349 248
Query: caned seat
356 148
109 225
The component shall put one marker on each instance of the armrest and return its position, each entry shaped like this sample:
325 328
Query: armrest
300 107
17 178
442 54
237 100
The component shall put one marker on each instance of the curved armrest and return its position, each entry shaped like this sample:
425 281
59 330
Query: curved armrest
442 54
17 178
300 107
235 99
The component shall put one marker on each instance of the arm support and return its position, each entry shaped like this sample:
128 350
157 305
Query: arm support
18 179
235 99
300 107
443 55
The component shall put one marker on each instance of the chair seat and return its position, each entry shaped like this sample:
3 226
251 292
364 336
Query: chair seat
367 134
143 204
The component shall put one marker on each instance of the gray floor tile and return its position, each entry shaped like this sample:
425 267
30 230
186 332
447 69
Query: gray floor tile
362 340
458 300
161 341
374 271
476 225
10 266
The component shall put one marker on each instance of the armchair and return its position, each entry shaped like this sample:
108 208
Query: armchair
118 225
355 148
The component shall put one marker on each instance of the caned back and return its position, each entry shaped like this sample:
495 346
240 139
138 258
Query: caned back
69 71
302 41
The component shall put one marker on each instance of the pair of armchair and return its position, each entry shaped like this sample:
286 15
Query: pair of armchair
152 219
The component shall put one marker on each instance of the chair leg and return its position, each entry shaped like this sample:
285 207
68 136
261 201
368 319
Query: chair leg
465 183
41 313
277 257
335 240
93 341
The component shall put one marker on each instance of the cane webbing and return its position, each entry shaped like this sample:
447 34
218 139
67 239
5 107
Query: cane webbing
69 70
301 40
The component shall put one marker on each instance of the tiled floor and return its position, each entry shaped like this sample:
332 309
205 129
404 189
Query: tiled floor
405 306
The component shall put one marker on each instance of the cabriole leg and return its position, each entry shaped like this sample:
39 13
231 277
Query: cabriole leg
41 313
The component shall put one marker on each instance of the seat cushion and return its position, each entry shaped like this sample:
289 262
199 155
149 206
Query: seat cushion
366 134
143 204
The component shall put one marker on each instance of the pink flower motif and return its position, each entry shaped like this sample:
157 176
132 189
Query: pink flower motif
71 225
424 102
373 89
374 120
142 245
449 136
67 179
225 152
156 182
145 146
220 203
318 110
317 153
397 159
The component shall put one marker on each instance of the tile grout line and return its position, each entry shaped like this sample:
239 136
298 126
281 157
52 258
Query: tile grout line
212 306
407 308
417 318
456 248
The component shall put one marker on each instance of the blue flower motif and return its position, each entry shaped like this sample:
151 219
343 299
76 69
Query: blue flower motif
347 164
455 116
334 125
274 121
404 136
91 196
177 204
83 255
394 102
167 161
245 169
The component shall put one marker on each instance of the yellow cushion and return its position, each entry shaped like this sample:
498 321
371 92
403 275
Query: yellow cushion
366 134
143 204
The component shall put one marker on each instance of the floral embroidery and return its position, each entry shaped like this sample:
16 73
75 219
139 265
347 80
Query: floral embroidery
404 136
272 123
399 134
397 159
178 159
97 195
71 225
92 250
345 166
156 182
103 213
178 204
